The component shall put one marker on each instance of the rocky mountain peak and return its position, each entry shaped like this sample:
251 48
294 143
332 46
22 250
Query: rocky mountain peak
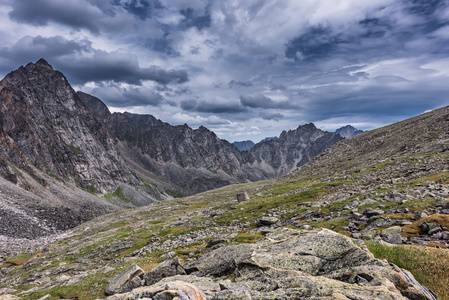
348 131
43 63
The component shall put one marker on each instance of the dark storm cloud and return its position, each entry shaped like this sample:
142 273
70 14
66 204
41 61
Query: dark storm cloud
33 48
317 42
262 101
424 7
120 70
143 9
270 116
239 83
67 56
115 96
74 14
366 38
217 107
193 20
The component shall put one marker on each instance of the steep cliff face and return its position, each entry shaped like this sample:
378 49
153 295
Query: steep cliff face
46 125
191 160
53 146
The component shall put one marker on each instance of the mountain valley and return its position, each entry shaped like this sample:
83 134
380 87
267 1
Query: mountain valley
79 161
314 205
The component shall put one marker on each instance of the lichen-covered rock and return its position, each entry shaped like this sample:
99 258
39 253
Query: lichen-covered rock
317 264
166 269
173 290
125 281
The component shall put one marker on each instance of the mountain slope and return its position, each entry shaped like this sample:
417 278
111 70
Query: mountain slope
53 146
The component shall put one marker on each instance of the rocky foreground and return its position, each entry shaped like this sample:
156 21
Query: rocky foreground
286 264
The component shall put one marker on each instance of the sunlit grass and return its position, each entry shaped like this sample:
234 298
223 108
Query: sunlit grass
430 266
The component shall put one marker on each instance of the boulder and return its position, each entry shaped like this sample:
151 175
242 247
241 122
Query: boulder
167 268
241 197
267 221
173 290
125 281
217 240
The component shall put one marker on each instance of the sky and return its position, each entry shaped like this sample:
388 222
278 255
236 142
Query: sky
244 69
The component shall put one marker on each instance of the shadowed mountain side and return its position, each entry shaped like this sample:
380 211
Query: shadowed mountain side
51 145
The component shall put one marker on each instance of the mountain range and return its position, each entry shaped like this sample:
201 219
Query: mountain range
345 131
64 158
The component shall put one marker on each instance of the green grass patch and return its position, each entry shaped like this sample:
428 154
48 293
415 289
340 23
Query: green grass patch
118 193
430 266
244 238
91 189
442 177
92 287
18 260
174 231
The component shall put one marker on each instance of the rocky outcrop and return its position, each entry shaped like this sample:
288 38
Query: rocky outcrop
289 264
